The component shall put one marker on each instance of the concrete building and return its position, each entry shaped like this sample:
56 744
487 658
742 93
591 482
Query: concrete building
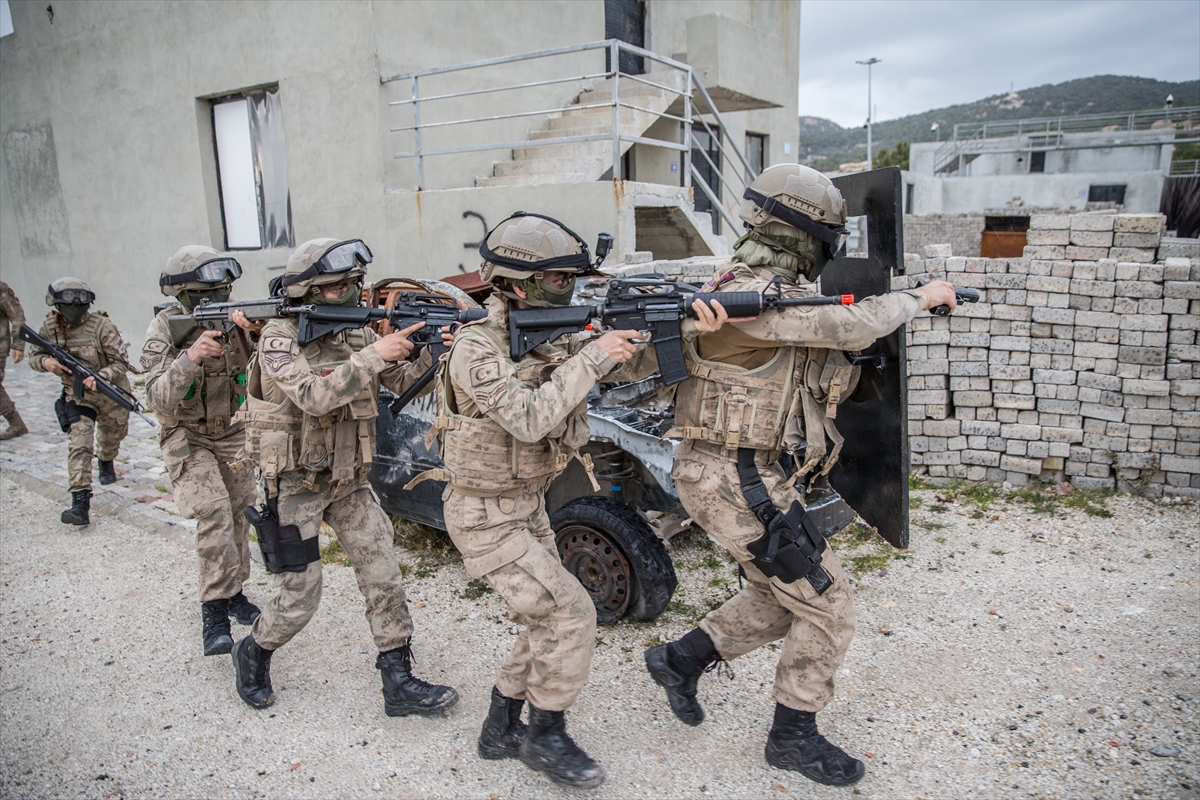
130 129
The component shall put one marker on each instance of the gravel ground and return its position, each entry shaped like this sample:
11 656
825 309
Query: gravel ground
1013 653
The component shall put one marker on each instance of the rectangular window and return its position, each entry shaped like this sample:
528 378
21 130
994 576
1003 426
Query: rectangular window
626 20
1107 193
908 198
252 170
1037 161
756 154
707 169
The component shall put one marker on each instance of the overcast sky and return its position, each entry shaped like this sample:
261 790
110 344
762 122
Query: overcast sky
940 53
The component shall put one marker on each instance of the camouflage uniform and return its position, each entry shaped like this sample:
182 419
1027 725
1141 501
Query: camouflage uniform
508 429
12 316
97 342
311 412
816 629
200 442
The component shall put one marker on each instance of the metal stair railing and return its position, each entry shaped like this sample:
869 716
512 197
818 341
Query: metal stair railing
614 47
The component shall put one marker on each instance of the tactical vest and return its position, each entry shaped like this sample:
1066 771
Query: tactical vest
82 341
281 437
776 405
483 459
215 395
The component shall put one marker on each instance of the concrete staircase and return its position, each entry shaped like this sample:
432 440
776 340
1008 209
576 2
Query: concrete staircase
585 161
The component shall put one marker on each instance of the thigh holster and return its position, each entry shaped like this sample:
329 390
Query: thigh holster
792 546
69 412
283 550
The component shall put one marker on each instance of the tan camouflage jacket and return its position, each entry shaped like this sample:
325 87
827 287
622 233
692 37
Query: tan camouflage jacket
95 341
12 316
199 397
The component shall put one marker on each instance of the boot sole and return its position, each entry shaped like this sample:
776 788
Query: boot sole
220 647
404 710
657 666
589 783
776 762
81 523
492 753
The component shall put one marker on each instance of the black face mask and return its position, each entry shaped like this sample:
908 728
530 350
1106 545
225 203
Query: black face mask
191 298
73 313
351 298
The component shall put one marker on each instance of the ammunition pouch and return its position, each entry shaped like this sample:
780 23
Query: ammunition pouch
792 546
69 412
282 548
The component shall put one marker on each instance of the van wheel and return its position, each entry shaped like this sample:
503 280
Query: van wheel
616 557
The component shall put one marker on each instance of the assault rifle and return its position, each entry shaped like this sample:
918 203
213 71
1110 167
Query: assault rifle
82 372
316 320
219 317
961 295
648 303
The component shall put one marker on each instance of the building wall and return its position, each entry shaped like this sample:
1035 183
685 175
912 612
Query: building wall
105 118
1067 192
963 232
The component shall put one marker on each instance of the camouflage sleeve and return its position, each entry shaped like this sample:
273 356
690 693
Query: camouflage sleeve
169 372
490 379
403 374
838 327
16 315
37 361
316 394
115 351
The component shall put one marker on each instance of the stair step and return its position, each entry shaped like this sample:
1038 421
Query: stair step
539 165
533 180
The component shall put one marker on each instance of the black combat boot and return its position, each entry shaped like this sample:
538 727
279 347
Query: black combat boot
404 693
16 427
81 504
243 610
252 665
547 748
107 473
502 730
217 639
795 744
677 666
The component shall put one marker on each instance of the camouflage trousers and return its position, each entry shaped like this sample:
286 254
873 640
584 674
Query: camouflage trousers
6 403
816 629
207 490
100 439
366 535
508 542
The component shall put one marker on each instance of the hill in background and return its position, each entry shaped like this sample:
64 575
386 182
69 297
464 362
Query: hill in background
830 145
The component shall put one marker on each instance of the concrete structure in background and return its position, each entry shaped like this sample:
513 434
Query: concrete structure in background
1061 164
111 158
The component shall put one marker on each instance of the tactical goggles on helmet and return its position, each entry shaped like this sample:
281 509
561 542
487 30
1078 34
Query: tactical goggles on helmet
72 296
834 239
213 271
341 257
581 261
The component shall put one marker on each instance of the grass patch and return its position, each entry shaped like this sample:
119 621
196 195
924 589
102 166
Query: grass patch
1092 502
856 534
883 555
940 539
432 544
932 526
998 552
711 562
918 482
653 641
162 487
476 588
915 502
333 553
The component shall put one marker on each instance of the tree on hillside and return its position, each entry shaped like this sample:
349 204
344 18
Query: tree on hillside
896 157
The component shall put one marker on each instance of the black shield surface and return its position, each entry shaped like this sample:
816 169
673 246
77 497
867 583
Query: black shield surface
872 473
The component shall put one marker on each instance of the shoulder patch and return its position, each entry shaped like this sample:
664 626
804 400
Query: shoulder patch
485 372
155 346
278 344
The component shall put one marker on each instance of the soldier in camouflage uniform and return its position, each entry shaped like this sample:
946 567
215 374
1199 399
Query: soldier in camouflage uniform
194 385
91 337
12 317
507 430
311 430
764 387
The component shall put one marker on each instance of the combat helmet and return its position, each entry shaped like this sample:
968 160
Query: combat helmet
70 297
322 261
523 248
801 198
196 273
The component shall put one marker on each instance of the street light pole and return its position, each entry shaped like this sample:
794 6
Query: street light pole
868 64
